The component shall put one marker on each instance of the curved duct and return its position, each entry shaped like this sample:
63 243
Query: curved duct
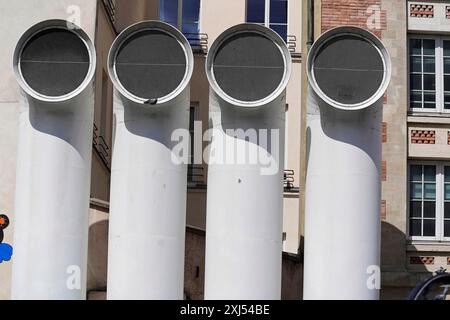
248 68
349 70
150 64
54 63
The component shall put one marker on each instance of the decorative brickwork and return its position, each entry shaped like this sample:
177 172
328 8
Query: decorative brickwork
423 136
383 132
447 12
448 261
421 10
448 137
383 210
383 170
421 260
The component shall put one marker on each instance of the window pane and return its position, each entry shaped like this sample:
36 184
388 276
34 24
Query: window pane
415 47
447 174
415 227
429 64
416 99
447 48
429 191
280 29
168 11
429 209
415 64
416 173
447 228
415 209
278 11
416 190
447 192
447 100
429 82
428 47
191 10
190 28
447 83
447 210
447 65
255 11
416 82
429 173
429 227
429 99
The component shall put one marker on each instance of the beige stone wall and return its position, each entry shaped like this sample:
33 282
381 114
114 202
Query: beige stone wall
394 189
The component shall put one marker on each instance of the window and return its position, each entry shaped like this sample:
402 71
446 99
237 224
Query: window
429 201
182 14
271 13
429 74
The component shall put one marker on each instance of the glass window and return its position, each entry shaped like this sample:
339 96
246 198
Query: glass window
256 11
429 201
190 25
422 68
422 203
275 10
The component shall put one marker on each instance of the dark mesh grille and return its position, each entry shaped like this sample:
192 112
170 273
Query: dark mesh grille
348 69
151 64
248 66
54 62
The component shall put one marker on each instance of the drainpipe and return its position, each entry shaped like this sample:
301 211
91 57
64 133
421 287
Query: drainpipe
310 39
248 68
150 64
54 64
349 70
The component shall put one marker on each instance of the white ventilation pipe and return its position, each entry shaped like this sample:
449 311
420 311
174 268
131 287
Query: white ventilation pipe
54 63
349 70
248 68
150 64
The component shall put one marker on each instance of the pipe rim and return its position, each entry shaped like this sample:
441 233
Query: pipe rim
139 27
264 31
43 26
367 36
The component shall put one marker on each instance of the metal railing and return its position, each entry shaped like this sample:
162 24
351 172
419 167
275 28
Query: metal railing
102 148
198 41
292 46
111 9
196 174
289 179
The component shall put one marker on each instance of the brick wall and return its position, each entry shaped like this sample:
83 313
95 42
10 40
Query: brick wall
359 13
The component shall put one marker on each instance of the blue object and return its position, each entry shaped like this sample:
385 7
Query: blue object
6 252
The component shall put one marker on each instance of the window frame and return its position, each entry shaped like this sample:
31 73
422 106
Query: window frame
180 5
266 22
439 70
440 196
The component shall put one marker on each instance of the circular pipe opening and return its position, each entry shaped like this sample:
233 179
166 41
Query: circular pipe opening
349 68
150 62
248 65
54 61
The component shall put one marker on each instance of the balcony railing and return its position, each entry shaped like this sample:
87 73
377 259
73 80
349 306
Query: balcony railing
198 41
100 145
196 174
292 46
111 9
289 179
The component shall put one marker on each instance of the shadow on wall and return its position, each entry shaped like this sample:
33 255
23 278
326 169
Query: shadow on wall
97 256
397 278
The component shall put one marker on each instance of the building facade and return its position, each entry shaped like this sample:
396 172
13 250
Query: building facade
416 127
